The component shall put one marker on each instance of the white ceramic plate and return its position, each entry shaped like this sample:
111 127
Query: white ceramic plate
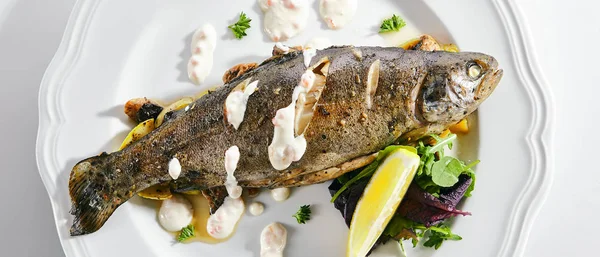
116 50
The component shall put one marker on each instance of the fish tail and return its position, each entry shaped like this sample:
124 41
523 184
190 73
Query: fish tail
92 198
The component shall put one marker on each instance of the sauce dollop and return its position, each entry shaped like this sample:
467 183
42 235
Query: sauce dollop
256 208
273 239
222 223
175 213
174 168
236 102
232 156
280 194
203 46
284 19
337 13
285 147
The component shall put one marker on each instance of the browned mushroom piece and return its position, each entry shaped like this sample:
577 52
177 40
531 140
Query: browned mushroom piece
423 43
237 71
141 109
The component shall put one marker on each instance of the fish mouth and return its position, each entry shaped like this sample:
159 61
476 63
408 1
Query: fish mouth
488 84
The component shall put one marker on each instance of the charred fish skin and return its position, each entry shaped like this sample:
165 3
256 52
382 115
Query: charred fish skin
371 97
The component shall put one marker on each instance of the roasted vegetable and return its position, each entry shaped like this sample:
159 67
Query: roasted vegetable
141 109
238 70
460 127
176 106
157 192
148 111
138 132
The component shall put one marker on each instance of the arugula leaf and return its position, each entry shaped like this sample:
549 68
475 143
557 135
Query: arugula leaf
445 172
471 174
394 23
439 234
434 235
186 233
303 215
436 170
240 27
370 169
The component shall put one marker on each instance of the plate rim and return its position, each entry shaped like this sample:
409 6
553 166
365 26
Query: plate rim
539 136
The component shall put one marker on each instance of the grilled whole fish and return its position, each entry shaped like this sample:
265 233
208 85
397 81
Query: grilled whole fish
364 99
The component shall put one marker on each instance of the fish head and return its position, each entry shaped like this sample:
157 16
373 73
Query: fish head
455 85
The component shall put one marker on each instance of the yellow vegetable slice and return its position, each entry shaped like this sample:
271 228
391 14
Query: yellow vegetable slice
157 192
138 132
460 127
380 200
203 93
178 105
450 48
192 192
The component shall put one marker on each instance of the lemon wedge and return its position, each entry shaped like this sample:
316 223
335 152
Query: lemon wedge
380 200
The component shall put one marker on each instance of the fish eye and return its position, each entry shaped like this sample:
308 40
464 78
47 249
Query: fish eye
473 70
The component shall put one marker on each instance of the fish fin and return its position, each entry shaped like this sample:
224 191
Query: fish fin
90 203
326 174
215 196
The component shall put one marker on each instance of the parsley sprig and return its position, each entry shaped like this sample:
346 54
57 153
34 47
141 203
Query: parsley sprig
303 215
240 27
186 233
392 24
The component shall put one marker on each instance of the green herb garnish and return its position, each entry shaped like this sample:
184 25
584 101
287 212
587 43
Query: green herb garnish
392 24
439 234
401 228
303 215
186 233
437 170
240 27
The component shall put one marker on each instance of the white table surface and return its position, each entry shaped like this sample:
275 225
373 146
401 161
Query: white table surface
565 36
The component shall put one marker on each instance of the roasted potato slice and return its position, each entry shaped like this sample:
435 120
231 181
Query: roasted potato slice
138 132
157 192
460 127
178 105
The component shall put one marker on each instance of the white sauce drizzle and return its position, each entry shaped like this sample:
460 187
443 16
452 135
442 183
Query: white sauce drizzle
175 213
272 240
256 208
232 156
285 147
283 48
174 168
337 13
318 43
280 194
284 18
203 46
235 104
222 223
308 54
